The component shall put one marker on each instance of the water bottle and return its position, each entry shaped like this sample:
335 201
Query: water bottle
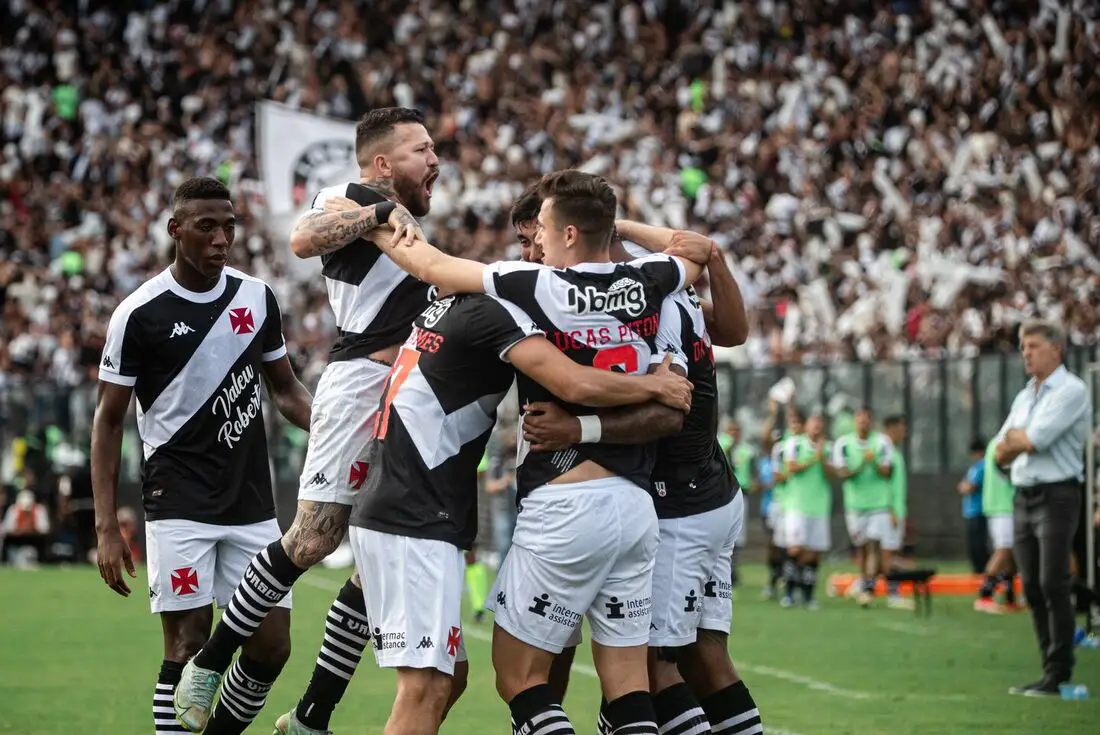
1074 692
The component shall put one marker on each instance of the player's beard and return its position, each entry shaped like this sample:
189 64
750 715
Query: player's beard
411 194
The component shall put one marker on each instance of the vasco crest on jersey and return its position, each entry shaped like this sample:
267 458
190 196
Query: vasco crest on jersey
625 294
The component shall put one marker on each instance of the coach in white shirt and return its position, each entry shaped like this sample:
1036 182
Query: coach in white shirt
1043 440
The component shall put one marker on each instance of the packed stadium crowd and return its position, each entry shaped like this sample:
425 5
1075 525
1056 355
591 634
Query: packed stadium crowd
890 180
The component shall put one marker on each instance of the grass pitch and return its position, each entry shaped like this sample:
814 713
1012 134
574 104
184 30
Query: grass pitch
75 658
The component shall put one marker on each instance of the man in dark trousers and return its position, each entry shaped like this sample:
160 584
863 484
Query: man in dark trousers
1042 443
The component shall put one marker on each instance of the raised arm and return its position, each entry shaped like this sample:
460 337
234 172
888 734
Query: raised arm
423 260
653 239
335 221
727 322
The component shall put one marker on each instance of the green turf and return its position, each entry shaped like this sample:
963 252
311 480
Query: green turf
75 658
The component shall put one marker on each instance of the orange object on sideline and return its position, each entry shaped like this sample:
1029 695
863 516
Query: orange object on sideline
941 584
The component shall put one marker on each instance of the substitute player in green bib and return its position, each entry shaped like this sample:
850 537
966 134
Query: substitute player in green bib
997 499
896 428
776 442
863 461
809 508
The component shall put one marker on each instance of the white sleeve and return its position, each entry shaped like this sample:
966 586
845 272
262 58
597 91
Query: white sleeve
318 205
670 335
513 280
121 356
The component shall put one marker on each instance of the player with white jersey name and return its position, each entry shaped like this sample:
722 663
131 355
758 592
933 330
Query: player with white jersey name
374 303
699 506
586 532
418 510
192 344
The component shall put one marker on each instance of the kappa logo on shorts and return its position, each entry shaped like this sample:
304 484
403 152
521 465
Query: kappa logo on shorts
358 475
614 609
708 588
454 638
241 320
690 599
185 581
318 479
502 599
540 604
107 362
425 642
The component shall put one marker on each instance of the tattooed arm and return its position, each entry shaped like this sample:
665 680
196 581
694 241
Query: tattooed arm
319 233
317 530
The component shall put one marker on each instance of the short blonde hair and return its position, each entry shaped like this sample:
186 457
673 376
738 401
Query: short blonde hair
1049 331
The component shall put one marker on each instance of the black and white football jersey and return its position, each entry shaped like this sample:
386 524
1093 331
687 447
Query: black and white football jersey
375 302
691 475
603 315
437 413
194 361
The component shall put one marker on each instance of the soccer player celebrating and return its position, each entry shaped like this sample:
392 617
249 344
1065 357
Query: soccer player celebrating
418 509
566 562
862 461
374 303
809 508
699 507
192 344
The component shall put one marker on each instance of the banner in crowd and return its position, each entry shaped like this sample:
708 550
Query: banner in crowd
301 153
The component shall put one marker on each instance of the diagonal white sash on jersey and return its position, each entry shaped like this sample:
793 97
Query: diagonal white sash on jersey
438 436
207 369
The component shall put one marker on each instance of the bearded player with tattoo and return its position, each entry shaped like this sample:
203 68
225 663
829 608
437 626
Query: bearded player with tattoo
375 303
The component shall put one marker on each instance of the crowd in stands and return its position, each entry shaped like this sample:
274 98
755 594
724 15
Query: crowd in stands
895 179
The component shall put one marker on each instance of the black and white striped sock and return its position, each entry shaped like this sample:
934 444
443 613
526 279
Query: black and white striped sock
678 713
534 712
244 692
164 715
346 636
632 714
603 725
267 580
732 711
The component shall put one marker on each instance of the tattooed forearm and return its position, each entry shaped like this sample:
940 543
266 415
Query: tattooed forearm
324 232
317 530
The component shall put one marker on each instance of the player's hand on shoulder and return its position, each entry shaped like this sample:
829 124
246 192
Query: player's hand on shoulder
400 220
691 246
340 204
671 389
549 427
112 554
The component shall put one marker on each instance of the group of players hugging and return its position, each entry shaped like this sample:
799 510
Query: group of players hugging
628 510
